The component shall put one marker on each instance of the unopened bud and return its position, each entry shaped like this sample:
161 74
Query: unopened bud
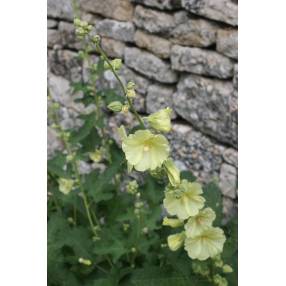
115 106
175 241
173 172
173 222
83 261
227 269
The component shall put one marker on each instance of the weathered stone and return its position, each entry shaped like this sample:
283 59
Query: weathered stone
113 48
121 10
61 9
53 144
228 180
149 65
52 24
68 36
158 46
235 77
158 97
59 89
201 61
220 10
194 32
160 4
207 104
91 18
199 153
54 38
229 209
66 64
230 156
153 21
122 31
227 43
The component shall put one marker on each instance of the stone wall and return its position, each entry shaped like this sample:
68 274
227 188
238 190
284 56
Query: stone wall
182 54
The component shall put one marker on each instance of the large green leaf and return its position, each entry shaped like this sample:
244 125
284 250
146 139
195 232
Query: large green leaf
80 134
213 197
156 276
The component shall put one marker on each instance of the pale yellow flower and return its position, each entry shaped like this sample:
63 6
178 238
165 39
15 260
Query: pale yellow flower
175 241
208 243
173 172
161 120
199 222
185 200
172 222
145 150
65 185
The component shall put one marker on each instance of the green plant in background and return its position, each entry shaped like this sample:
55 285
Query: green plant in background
107 227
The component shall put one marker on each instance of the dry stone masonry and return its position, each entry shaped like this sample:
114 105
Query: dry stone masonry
180 53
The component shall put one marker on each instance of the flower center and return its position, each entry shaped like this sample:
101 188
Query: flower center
146 148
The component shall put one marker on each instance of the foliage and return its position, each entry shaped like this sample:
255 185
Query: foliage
104 227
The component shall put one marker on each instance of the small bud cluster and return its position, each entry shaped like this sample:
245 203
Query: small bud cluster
82 28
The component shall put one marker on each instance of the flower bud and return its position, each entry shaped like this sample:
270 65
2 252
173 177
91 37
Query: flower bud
219 280
173 172
77 22
161 120
130 85
115 106
96 39
122 132
96 156
132 187
172 222
83 261
65 185
125 108
227 269
175 241
131 93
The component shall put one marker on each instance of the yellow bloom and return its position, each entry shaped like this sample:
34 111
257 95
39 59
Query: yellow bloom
172 222
185 201
173 172
208 243
175 241
96 156
201 221
227 269
65 185
161 120
145 151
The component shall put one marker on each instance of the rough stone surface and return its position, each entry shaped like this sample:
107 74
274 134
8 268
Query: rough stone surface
207 104
220 10
153 21
68 37
149 65
122 31
201 61
51 24
54 38
113 48
229 209
228 180
53 143
230 156
199 153
60 9
235 77
66 64
160 4
227 43
195 32
156 45
158 97
121 10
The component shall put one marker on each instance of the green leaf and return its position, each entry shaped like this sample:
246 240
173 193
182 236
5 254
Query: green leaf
78 135
188 176
156 276
213 197
152 191
56 166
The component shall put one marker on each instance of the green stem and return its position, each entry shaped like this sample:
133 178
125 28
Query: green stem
103 54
